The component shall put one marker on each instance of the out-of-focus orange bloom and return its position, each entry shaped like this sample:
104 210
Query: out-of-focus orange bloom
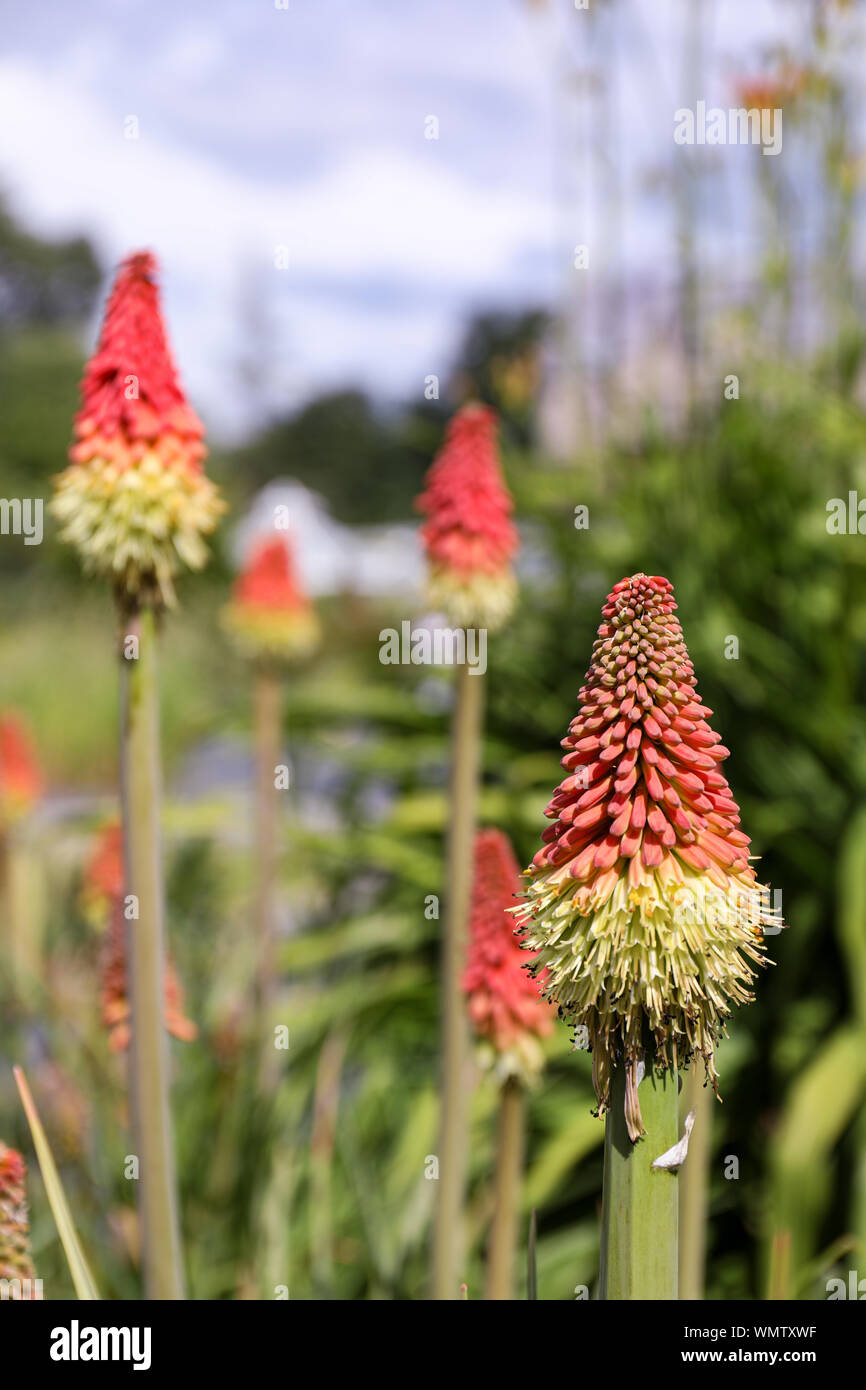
270 616
103 899
772 91
21 783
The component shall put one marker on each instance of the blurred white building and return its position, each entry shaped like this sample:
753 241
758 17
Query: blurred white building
377 561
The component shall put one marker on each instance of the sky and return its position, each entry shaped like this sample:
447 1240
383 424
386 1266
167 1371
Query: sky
277 160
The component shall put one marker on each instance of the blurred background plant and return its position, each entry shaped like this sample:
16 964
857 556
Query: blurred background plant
723 489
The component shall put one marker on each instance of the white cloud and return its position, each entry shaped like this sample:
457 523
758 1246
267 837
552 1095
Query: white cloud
260 127
373 219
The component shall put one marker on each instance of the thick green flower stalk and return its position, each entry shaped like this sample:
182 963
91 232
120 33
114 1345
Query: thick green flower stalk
136 504
16 1263
694 1187
643 905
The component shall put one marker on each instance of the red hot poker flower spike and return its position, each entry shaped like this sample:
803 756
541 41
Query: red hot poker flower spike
643 905
116 1008
468 536
505 1002
20 778
270 616
15 1259
135 500
103 878
102 899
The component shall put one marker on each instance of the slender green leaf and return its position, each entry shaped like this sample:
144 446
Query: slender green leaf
531 1258
852 908
78 1267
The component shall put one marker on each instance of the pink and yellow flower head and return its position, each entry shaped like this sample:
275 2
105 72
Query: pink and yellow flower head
642 905
135 501
102 895
468 535
20 777
15 1259
270 616
506 1006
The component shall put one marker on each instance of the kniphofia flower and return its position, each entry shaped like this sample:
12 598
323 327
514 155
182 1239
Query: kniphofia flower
643 905
135 501
116 1008
20 776
506 1006
468 535
102 896
102 880
15 1259
270 616
772 91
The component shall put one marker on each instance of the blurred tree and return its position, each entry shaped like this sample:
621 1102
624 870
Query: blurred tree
47 291
44 282
367 464
499 362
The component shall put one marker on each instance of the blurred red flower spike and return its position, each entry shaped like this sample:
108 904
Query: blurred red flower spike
505 1002
468 536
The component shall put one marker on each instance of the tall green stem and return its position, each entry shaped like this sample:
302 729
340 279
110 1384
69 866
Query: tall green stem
694 1187
323 1138
859 1203
22 907
140 772
465 759
639 1205
509 1164
267 698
